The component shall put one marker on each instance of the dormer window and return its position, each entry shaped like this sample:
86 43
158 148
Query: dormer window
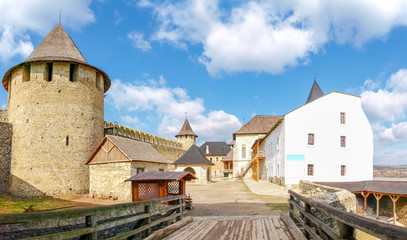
207 149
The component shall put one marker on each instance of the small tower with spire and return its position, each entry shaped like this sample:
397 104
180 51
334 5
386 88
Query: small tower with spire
186 136
315 92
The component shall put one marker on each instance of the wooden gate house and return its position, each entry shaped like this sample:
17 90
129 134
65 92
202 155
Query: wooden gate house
151 185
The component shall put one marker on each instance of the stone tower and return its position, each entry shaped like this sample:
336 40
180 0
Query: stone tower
55 106
186 136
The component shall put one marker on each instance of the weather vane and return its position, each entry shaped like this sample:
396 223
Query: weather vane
315 76
60 15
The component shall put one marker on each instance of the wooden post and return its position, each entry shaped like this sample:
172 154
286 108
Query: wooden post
394 198
365 196
378 196
179 210
345 231
91 222
147 221
306 220
292 207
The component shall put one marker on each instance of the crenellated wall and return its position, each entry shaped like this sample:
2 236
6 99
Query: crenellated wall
170 149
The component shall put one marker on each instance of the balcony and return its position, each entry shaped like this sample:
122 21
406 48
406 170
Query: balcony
228 170
261 155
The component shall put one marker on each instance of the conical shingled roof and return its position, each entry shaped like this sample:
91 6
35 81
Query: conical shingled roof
186 129
315 92
193 156
57 45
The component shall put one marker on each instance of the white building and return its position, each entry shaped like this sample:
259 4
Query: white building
244 138
329 139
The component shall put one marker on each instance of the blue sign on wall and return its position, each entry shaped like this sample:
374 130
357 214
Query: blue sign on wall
295 157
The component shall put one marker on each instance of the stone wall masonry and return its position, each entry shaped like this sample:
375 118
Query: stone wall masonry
335 197
57 125
3 116
108 180
201 172
5 155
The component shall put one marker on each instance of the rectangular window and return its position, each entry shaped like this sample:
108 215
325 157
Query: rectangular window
140 170
98 81
161 170
26 72
311 140
48 71
73 68
343 170
66 140
343 141
343 118
244 151
310 170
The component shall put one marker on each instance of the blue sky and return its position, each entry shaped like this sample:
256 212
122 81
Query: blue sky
222 62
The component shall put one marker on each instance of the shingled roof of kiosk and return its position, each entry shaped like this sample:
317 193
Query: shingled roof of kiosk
162 176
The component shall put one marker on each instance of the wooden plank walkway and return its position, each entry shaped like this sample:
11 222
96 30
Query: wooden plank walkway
239 227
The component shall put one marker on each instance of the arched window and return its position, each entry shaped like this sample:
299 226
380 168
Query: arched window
244 151
189 169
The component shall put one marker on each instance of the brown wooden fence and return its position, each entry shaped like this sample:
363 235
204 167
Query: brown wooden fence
106 222
303 210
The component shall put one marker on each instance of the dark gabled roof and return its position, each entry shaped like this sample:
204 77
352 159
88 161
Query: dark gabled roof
57 46
215 148
162 176
186 129
228 157
133 150
259 124
193 156
315 92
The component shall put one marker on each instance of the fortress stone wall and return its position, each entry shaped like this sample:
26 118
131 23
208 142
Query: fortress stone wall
57 124
171 150
5 155
3 116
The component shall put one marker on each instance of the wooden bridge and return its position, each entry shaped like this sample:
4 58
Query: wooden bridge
151 219
237 227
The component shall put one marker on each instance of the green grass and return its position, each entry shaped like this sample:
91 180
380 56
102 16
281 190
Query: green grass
13 204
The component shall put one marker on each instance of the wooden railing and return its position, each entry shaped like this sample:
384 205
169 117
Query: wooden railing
107 222
301 212
261 154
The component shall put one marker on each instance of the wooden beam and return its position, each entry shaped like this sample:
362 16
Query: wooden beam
378 196
394 198
365 196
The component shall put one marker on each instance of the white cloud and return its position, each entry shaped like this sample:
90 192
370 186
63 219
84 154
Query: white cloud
386 109
170 105
19 17
117 17
390 103
138 41
271 36
133 122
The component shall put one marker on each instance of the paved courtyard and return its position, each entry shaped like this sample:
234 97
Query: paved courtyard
232 198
